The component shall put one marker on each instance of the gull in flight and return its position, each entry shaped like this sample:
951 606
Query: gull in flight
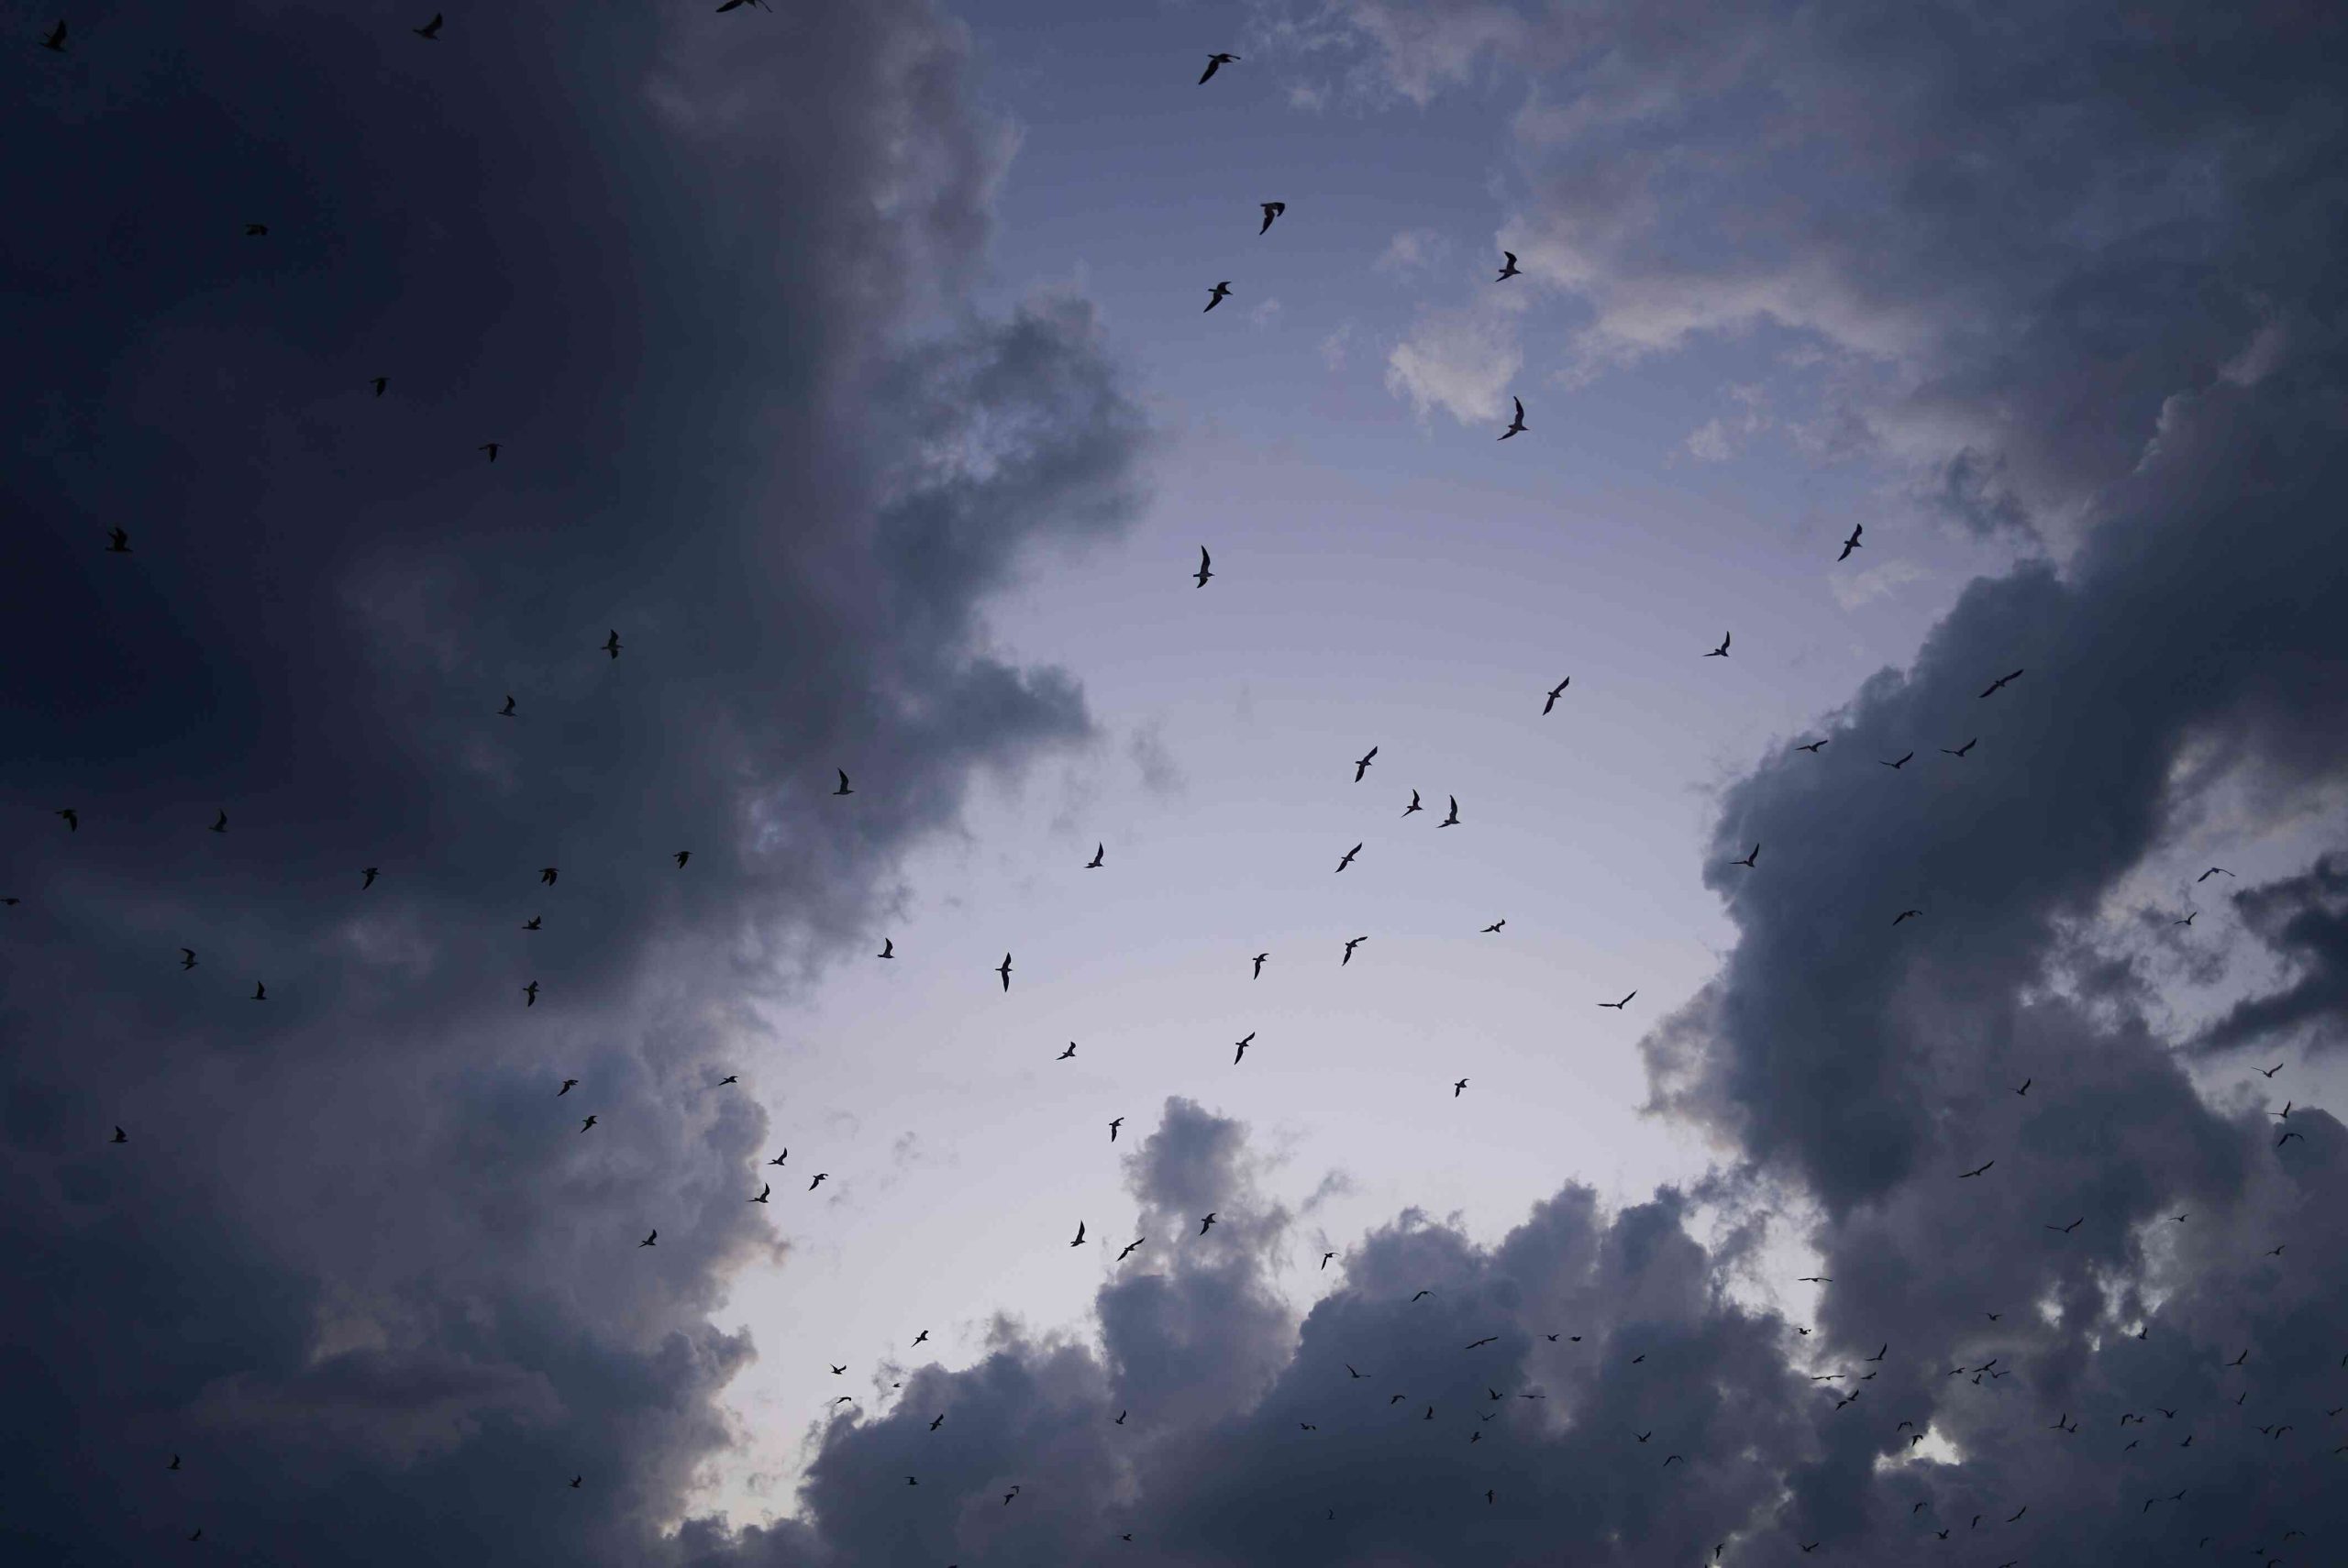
1215 62
1271 211
1619 1005
2000 684
1222 291
1510 269
1206 562
1006 971
1722 651
843 789
1350 946
1453 820
1853 542
1516 426
1349 860
1554 692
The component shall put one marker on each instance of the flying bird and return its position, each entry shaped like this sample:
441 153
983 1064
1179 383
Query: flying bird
119 1136
2000 684
1516 426
74 822
1509 269
888 948
780 1158
260 991
2213 871
1554 692
1066 1054
1361 766
737 5
1206 1224
1259 966
843 789
1215 62
586 1124
1115 1123
492 447
1271 211
1099 851
54 40
430 31
1415 805
1422 1293
531 991
1079 1235
1963 1176
650 1240
728 1079
1905 914
1006 971
369 873
1350 944
1494 926
1453 820
255 230
1206 562
535 922
1814 746
1960 751
507 711
1349 860
1222 291
187 957
763 1191
2067 1230
1853 542
1896 766
683 855
1243 1047
611 644
2270 1072
1750 861
1722 651
2188 920
117 542
2025 1086
1458 1089
547 875
1619 1005
220 823
818 1181
568 1085
1131 1247
379 383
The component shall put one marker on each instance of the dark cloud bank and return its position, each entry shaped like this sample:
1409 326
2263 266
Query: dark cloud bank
343 1267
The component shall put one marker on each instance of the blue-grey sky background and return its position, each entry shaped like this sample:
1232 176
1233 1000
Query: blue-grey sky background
850 362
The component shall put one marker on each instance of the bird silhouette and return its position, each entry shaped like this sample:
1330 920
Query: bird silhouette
1361 766
1222 291
379 383
1751 861
430 30
1066 1054
1458 1089
650 1240
1415 805
1206 1224
117 542
1114 1123
2025 1086
531 991
1099 852
1493 927
54 40
260 991
820 1175
1901 763
2000 683
2188 920
187 957
119 1137
1349 859
1976 1171
536 922
612 645
73 825
1507 266
763 1191
1271 211
1243 1047
1619 1005
1905 914
1554 692
586 1124
1206 562
1722 651
1814 746
1961 750
888 948
220 823
1516 426
548 874
367 876
1350 944
2270 1072
781 1159
1453 820
1215 62
568 1085
255 230
1079 1235
682 856
1006 971
492 449
728 1079
2213 871
1131 1247
2067 1230
1853 542
1259 966
507 711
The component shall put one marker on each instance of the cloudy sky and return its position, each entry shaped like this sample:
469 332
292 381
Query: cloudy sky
848 364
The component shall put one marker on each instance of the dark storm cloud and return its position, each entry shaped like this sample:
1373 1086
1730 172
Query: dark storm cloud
2305 919
360 1266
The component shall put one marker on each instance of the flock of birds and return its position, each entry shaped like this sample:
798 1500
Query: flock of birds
1992 1370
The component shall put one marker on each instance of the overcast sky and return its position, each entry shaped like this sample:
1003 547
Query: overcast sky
848 365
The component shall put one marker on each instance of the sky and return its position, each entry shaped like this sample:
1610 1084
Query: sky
848 368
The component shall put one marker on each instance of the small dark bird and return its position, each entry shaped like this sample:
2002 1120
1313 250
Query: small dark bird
1131 1247
1121 1418
1361 764
54 41
650 1240
2263 1072
611 644
1814 746
1881 1354
1206 1224
683 855
369 874
1508 268
507 711
430 30
1243 1047
1422 1293
2285 1138
1079 1235
117 542
1351 943
379 383
1115 1123
1325 1257
837 1371
2188 920
1259 966
2025 1086
220 823
1853 542
1099 852
1415 805
1619 1005
187 957
763 1191
780 1158
1349 859
1905 914
1215 62
1960 751
260 991
2000 683
1901 763
586 1124
1494 926
198 1535
174 1465
568 1085
728 1079
547 875
1271 211
492 448
1722 651
122 1137
1750 861
2213 871
938 1422
1487 1340
920 1337
531 991
888 948
1222 291
1815 1279
2067 1230
255 230
1458 1089
1516 426
536 922
818 1181
1976 1171
1453 820
1066 1054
